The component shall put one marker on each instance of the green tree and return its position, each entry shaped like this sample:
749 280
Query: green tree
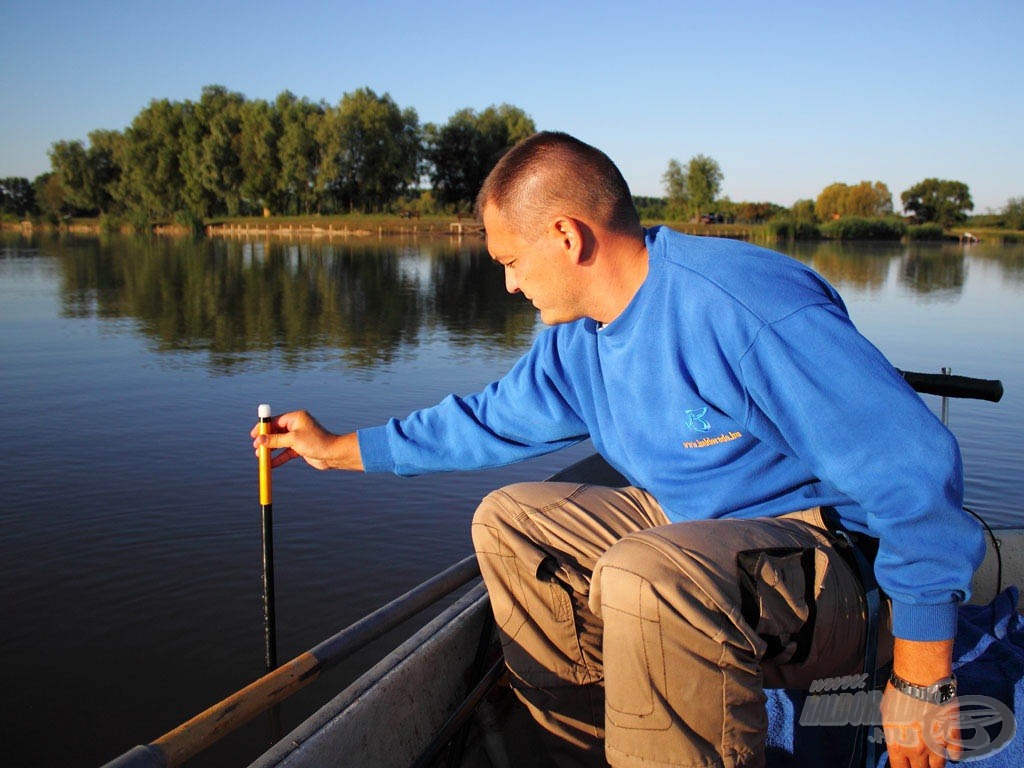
869 200
195 195
17 196
105 161
726 208
831 201
1013 213
370 151
755 213
212 167
298 151
151 181
463 151
259 159
804 212
939 200
866 199
51 198
674 180
451 152
512 122
703 183
70 166
649 208
89 176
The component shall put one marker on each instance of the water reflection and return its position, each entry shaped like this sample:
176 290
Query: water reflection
845 265
937 274
932 271
363 301
371 302
1009 258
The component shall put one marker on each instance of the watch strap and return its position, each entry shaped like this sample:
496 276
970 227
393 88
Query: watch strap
937 693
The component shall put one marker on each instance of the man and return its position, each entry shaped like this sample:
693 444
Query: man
727 384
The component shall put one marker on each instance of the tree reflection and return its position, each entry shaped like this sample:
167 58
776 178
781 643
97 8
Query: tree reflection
935 271
1009 257
864 266
467 287
372 302
930 270
368 302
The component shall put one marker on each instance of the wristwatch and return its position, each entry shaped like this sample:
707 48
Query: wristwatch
937 693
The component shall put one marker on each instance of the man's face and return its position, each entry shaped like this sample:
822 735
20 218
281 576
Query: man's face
539 268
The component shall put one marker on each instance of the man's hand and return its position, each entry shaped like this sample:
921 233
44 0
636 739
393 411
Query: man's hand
905 719
300 436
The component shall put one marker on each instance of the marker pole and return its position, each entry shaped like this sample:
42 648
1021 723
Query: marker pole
267 514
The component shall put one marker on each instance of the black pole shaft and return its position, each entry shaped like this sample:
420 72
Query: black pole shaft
269 616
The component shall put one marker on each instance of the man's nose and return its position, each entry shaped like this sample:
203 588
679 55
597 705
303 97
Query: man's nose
510 281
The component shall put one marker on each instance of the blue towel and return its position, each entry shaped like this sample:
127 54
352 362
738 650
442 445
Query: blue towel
988 657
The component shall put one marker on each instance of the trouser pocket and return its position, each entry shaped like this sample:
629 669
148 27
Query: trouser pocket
777 587
632 637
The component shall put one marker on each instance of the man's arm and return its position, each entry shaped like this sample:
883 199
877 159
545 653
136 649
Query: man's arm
829 397
873 438
302 437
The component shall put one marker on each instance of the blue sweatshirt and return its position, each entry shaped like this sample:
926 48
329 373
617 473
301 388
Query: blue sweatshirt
733 384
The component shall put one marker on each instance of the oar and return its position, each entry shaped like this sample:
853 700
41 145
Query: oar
205 729
267 515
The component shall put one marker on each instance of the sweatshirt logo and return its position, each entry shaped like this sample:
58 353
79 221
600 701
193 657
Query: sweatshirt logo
707 442
695 420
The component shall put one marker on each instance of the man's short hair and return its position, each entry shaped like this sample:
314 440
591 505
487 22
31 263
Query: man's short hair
553 172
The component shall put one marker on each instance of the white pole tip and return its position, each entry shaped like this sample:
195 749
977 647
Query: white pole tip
263 411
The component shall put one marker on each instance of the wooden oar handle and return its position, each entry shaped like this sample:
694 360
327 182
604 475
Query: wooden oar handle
208 727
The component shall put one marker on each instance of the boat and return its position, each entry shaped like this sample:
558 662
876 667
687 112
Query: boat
438 698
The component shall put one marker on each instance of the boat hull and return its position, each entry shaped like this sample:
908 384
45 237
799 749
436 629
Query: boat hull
389 717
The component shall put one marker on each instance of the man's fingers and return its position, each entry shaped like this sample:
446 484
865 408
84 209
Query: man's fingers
297 435
286 422
272 441
944 728
283 458
282 422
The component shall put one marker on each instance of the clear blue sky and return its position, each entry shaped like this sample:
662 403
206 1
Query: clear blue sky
788 97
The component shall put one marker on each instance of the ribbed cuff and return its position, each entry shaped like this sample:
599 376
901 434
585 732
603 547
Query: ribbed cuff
375 449
924 622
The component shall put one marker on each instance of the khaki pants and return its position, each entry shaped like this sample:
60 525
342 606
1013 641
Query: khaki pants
648 643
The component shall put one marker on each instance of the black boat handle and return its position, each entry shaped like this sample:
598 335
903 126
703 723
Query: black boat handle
946 385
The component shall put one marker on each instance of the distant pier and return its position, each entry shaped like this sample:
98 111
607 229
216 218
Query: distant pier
330 231
460 228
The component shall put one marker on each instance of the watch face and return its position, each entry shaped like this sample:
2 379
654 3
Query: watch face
947 692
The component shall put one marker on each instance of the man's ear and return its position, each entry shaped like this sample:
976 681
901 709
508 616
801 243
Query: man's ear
570 233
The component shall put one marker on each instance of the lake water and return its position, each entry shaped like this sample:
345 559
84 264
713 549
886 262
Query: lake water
130 372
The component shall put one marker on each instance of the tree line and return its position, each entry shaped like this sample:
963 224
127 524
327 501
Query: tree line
228 155
692 193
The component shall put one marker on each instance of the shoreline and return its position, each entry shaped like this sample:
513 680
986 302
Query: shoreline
370 225
261 229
